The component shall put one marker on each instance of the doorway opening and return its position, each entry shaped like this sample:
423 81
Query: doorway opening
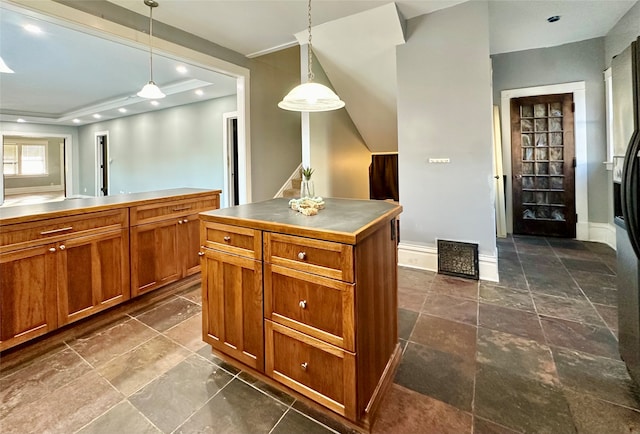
231 159
102 163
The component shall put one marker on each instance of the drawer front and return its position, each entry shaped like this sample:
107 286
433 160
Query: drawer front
317 306
324 258
232 239
25 235
312 367
157 211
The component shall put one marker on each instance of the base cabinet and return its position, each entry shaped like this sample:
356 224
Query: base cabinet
323 312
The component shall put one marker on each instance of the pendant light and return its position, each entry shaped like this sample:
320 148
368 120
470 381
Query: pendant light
150 90
4 68
309 96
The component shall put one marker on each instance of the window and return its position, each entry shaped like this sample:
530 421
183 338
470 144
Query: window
25 159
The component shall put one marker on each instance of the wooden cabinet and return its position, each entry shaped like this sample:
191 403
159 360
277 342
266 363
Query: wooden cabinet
165 241
232 293
63 261
329 287
61 271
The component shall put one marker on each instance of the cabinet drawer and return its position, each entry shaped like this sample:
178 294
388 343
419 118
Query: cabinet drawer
317 306
318 370
324 258
23 235
157 211
232 239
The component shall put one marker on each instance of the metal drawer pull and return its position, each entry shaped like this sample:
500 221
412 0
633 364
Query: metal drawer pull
227 238
52 249
200 253
184 208
304 366
62 247
302 255
303 304
53 231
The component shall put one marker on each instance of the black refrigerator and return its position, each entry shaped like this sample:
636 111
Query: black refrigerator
628 224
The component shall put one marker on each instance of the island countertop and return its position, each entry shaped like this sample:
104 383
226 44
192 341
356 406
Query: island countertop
69 207
342 220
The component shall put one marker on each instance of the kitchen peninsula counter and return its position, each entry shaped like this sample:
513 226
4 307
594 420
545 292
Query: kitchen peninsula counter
64 261
308 303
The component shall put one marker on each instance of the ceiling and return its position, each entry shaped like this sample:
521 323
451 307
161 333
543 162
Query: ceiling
64 74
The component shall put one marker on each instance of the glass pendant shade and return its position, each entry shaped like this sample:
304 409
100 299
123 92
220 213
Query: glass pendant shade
311 97
4 68
151 91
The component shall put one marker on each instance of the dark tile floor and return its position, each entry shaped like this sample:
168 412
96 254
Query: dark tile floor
535 353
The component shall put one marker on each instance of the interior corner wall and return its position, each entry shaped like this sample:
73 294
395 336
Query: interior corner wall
276 147
627 29
339 155
444 111
171 148
579 61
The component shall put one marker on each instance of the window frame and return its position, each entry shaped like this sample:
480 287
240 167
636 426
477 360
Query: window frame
19 162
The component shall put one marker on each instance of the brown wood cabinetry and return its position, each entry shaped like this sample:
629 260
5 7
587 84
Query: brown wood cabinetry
63 261
165 242
320 293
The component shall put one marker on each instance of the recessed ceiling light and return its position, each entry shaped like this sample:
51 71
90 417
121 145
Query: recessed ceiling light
199 92
155 103
20 120
553 18
97 116
181 69
32 29
76 121
122 110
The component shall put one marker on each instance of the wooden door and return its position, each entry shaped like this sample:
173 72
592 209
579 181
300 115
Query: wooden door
93 274
232 306
28 295
154 256
543 165
189 239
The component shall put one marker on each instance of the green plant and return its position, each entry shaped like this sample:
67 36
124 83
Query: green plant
307 172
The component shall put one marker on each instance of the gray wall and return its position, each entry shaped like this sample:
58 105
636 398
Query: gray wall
55 165
627 29
176 147
276 147
444 110
579 61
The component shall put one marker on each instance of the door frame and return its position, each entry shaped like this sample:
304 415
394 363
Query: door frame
98 171
67 163
226 151
578 89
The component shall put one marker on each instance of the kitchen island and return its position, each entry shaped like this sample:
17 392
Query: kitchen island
307 303
64 261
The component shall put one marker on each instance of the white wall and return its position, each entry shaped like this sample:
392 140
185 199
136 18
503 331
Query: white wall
444 111
172 148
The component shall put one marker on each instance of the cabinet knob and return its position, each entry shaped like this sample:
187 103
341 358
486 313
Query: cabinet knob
227 238
304 366
303 304
200 253
185 221
62 247
302 255
179 222
52 249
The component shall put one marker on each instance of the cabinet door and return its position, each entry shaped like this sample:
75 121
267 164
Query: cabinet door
28 296
93 274
154 256
189 244
232 306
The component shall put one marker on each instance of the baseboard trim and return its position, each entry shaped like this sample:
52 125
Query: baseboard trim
426 258
603 233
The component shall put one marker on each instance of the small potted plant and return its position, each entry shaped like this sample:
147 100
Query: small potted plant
306 187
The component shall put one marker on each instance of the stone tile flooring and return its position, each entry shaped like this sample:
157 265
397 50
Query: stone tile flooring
535 353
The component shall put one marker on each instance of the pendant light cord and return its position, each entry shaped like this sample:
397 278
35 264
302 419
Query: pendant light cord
150 37
309 52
